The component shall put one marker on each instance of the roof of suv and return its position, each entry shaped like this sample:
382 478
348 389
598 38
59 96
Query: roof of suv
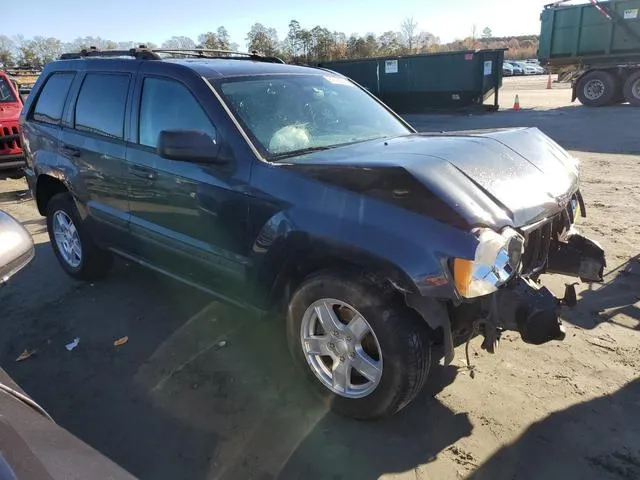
220 67
208 68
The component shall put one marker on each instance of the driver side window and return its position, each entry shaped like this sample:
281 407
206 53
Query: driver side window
169 105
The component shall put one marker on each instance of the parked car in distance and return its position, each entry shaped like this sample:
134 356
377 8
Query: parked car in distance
507 70
24 90
290 189
517 69
529 68
11 154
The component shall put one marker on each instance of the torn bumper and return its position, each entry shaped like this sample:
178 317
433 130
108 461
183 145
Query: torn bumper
530 309
577 256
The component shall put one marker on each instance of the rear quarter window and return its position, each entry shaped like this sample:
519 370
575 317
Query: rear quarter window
101 103
50 103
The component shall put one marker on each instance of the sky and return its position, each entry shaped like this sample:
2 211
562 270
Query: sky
157 20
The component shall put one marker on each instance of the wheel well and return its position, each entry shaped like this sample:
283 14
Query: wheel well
293 274
46 188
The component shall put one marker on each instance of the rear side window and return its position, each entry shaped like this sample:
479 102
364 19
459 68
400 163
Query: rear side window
50 103
168 105
101 104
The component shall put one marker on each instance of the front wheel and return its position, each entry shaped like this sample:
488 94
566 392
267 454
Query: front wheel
366 353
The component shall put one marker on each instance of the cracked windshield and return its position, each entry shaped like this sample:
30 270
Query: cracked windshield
295 113
320 240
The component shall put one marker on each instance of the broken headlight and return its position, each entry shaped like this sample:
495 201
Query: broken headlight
497 259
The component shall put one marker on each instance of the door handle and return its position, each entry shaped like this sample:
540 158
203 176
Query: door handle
71 151
143 172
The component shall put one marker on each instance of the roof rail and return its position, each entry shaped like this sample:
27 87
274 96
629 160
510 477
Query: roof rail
219 53
144 53
140 53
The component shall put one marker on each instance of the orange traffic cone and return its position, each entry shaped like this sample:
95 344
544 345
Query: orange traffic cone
516 104
549 82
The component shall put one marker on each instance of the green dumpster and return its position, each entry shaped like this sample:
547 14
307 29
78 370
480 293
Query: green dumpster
414 83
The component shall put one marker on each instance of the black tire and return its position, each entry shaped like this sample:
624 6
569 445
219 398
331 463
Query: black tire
597 89
402 335
95 263
631 89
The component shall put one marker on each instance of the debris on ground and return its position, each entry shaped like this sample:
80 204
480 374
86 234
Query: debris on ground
25 354
633 268
73 344
121 341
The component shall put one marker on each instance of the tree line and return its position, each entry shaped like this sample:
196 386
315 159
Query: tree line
300 45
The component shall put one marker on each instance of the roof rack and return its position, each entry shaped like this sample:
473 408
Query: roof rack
142 52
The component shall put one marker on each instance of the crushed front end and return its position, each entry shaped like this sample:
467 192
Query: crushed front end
500 288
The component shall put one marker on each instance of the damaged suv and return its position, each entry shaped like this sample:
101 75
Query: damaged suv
281 187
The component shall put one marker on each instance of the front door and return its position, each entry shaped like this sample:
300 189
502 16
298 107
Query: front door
93 148
187 218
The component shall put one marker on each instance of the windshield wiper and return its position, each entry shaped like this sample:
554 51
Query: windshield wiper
302 151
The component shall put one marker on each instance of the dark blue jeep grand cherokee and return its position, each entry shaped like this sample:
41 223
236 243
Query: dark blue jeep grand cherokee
275 186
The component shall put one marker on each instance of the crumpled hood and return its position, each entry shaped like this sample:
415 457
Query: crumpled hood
493 178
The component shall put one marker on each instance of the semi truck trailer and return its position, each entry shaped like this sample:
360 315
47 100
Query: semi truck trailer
599 44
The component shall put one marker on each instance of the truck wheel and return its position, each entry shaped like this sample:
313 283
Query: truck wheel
597 89
632 89
367 354
76 251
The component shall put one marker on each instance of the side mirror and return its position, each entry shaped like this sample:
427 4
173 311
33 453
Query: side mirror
188 146
16 247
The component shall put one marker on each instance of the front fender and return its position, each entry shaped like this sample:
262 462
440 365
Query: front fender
293 214
292 244
283 253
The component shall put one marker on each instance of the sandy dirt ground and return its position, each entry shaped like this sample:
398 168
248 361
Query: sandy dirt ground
202 391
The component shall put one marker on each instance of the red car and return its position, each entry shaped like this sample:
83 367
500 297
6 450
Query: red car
11 155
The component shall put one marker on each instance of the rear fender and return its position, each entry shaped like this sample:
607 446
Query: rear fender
49 182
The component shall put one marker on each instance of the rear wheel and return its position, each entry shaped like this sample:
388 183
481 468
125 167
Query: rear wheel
76 251
631 89
367 354
597 89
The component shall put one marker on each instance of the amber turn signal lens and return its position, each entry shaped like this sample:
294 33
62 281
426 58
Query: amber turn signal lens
462 271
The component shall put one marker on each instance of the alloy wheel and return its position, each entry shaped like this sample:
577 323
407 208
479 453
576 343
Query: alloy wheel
67 239
341 348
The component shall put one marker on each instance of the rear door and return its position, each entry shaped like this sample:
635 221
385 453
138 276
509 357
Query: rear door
41 127
92 144
187 218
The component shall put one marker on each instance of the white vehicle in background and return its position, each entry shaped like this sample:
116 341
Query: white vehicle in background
529 68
